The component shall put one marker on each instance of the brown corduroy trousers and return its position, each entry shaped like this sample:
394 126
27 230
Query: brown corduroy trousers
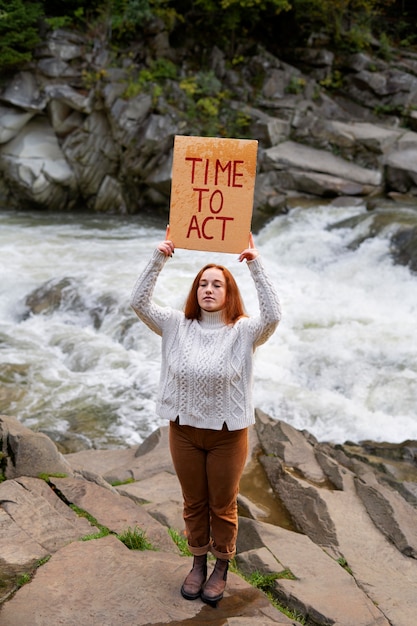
209 464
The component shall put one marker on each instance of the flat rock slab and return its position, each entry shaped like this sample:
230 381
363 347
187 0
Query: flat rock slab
102 583
289 154
40 514
114 511
322 589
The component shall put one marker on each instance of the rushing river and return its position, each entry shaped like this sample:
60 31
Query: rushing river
342 364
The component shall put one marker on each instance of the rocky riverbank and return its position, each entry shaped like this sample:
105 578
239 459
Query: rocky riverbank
343 553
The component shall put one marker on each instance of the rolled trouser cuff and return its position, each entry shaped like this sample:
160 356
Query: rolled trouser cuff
224 556
200 550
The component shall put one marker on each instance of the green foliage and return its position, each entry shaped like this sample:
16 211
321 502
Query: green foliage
92 78
152 79
389 109
296 85
342 561
103 531
180 541
266 583
135 539
23 580
223 22
205 104
385 49
18 32
26 577
127 16
348 23
333 81
117 483
44 476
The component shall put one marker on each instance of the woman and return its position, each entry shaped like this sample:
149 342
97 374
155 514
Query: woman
205 391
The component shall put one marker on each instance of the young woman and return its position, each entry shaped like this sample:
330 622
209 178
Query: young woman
205 391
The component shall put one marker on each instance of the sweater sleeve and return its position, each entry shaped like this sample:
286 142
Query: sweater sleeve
263 326
141 302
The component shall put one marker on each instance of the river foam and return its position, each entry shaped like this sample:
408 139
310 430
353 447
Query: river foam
342 364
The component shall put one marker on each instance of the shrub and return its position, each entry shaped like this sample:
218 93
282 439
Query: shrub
18 32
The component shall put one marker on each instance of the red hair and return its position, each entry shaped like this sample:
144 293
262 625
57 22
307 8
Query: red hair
233 309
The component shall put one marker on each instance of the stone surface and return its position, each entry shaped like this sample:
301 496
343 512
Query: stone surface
113 152
321 588
102 582
289 154
27 453
347 558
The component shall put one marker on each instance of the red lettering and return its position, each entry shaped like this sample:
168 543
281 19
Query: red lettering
212 209
194 161
200 197
204 233
236 174
193 226
224 174
225 219
220 168
207 171
203 228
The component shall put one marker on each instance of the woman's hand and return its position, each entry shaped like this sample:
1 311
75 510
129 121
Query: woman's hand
166 247
250 253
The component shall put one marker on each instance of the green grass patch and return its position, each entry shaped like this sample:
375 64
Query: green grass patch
135 539
128 481
180 541
266 583
25 578
46 477
102 531
343 563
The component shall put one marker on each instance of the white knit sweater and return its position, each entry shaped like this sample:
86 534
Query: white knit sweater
207 366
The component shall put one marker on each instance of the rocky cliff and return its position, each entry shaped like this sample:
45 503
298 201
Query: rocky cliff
80 128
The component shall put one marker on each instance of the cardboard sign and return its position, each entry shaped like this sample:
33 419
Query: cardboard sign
213 182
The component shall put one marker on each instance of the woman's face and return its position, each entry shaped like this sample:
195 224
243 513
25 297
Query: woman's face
211 290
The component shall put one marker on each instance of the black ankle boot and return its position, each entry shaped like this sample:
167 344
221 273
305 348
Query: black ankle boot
193 584
214 588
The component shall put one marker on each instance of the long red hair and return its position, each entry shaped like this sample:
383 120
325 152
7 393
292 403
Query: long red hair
233 309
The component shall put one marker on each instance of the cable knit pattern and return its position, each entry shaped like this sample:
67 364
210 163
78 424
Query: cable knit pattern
207 366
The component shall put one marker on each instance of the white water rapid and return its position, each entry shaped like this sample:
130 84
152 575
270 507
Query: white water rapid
342 364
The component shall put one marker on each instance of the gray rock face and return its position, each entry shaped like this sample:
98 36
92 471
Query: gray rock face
70 137
350 559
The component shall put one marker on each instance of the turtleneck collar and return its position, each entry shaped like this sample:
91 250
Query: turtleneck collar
211 319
